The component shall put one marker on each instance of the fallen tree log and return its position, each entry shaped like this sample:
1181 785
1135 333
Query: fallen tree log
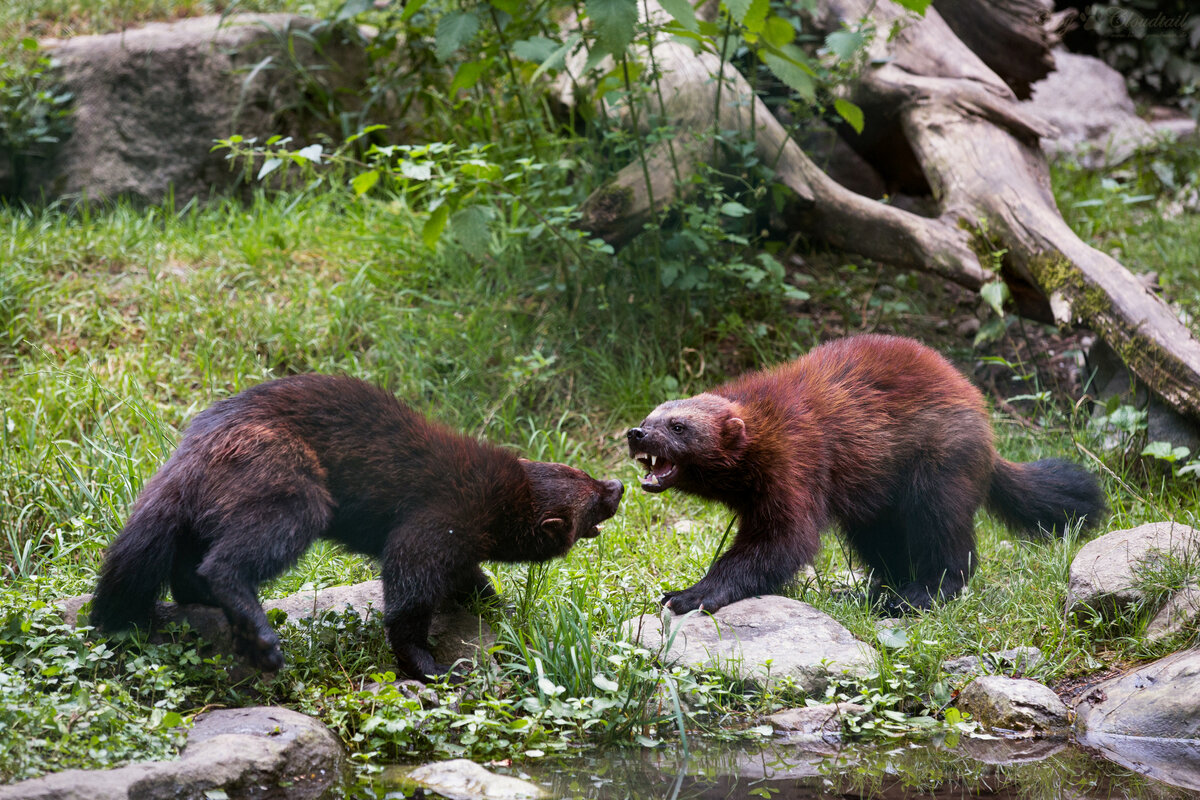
973 143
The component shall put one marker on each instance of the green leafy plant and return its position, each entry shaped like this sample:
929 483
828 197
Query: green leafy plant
34 114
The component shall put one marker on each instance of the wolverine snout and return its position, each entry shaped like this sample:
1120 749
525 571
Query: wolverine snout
635 435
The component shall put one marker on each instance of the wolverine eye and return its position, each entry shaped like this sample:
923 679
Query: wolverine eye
678 427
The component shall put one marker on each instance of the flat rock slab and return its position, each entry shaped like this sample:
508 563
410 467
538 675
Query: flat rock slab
1148 719
261 752
455 632
1105 573
814 726
762 639
461 779
1014 705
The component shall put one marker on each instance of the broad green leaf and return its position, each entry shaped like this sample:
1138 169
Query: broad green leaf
311 153
364 181
604 682
556 59
453 31
431 232
738 9
418 171
791 73
893 638
682 12
468 74
351 9
29 43
849 112
918 6
536 49
410 8
845 44
614 21
756 16
469 227
734 209
269 166
510 7
994 293
778 32
1166 452
481 170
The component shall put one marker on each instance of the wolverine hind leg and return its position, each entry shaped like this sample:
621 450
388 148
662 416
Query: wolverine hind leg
258 541
922 549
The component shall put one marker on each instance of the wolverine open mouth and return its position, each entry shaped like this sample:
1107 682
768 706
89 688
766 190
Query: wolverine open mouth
660 472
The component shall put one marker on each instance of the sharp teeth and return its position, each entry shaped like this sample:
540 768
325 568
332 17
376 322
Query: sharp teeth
653 461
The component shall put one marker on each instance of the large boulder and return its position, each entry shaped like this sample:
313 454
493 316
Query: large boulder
1106 572
1014 705
237 753
149 103
1148 719
764 640
1087 101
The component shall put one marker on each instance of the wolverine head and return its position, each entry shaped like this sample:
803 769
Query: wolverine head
683 442
569 505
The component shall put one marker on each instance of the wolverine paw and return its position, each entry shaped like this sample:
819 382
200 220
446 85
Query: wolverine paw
264 653
696 597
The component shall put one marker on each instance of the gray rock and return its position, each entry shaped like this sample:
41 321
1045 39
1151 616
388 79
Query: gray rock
1088 102
1179 615
461 779
455 632
991 750
1014 705
761 639
1014 661
1148 719
821 723
249 752
1104 574
149 102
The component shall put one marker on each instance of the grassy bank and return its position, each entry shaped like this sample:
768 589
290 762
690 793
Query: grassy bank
120 324
117 325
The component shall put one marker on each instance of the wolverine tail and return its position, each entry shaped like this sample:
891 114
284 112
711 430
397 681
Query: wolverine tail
136 566
1045 496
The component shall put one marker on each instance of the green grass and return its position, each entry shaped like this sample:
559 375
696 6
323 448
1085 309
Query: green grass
119 324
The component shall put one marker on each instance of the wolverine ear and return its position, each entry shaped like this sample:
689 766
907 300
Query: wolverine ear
735 430
555 526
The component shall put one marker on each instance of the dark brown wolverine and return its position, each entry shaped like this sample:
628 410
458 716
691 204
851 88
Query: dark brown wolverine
257 478
878 433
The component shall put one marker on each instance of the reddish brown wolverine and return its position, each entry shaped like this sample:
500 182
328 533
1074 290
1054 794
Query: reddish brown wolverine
259 477
877 433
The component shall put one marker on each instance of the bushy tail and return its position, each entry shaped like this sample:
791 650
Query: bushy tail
136 566
1045 496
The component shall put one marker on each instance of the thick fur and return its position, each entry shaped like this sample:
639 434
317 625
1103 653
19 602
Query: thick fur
877 433
259 477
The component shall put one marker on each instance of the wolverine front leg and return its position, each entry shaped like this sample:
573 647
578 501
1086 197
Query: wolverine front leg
762 558
416 578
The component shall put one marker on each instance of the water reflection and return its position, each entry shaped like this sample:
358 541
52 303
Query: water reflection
968 767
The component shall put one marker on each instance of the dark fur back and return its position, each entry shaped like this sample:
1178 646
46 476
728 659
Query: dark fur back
137 565
1045 496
